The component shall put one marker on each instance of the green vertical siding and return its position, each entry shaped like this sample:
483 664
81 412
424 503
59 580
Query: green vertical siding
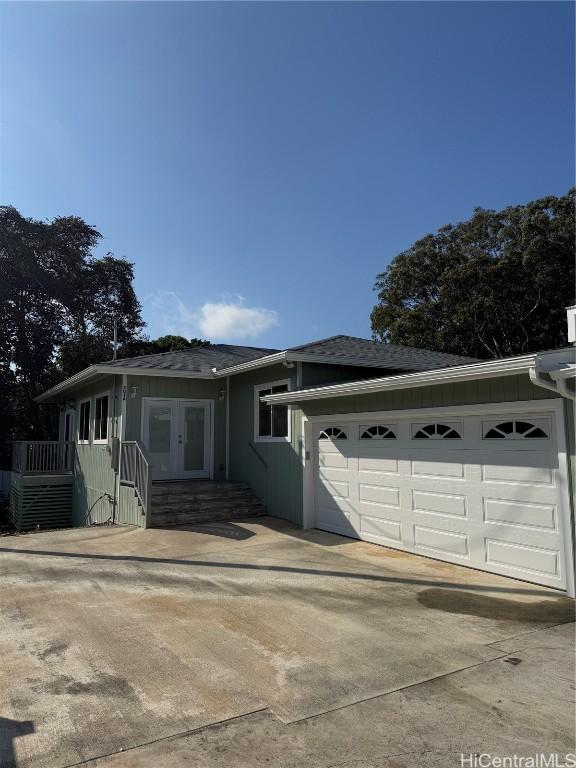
503 389
276 477
185 389
314 374
94 498
569 417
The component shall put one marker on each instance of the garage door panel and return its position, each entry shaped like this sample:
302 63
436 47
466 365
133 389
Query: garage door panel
489 504
379 494
337 523
520 514
529 467
336 460
441 541
384 529
333 489
523 558
384 464
438 503
328 474
431 469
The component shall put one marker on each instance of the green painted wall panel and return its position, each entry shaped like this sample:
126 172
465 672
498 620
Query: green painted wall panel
569 416
314 374
93 473
279 483
175 387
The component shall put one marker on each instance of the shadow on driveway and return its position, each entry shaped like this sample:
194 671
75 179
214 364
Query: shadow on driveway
384 579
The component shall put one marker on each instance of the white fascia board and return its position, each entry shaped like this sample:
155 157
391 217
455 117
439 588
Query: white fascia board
487 370
310 357
260 362
166 372
79 378
111 370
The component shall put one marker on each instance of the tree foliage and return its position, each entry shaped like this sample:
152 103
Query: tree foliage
58 303
146 346
492 286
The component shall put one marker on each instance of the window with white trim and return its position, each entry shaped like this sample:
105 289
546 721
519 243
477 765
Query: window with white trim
84 422
101 419
271 422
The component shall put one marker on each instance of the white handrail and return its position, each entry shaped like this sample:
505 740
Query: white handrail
136 470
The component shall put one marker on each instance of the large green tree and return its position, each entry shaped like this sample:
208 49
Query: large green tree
492 286
58 302
170 343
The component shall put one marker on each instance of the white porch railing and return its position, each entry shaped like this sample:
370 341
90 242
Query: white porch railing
46 457
136 470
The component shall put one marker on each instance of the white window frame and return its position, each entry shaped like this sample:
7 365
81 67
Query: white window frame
100 440
90 421
264 438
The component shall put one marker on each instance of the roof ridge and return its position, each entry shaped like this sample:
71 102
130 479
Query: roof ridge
322 341
189 349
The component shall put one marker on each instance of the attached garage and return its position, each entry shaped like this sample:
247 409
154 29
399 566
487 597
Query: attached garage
480 487
468 465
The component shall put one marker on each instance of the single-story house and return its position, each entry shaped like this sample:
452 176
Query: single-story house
456 459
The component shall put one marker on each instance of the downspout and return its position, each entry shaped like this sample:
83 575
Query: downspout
227 427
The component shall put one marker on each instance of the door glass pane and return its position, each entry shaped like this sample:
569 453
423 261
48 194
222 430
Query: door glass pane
193 438
159 436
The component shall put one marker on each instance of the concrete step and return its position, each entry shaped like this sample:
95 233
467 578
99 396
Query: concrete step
203 498
186 520
170 511
196 487
186 502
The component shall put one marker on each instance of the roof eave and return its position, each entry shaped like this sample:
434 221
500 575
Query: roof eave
260 362
486 370
83 377
79 378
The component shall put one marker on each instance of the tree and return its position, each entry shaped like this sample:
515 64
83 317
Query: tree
57 307
492 286
146 346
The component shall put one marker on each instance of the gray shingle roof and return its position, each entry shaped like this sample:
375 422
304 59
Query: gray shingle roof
361 351
196 360
390 356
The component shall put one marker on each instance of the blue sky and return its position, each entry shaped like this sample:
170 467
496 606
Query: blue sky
262 162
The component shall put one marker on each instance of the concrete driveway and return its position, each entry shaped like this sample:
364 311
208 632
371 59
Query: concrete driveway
256 644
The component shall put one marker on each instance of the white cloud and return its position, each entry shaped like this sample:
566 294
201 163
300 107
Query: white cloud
226 320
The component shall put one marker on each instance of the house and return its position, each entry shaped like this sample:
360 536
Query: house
435 454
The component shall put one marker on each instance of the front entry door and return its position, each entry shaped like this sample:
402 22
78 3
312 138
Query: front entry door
178 436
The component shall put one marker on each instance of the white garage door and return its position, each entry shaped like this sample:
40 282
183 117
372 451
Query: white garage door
481 490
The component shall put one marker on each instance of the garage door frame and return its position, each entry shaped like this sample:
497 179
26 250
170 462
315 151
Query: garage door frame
553 407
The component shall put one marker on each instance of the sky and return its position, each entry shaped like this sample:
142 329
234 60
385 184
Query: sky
261 163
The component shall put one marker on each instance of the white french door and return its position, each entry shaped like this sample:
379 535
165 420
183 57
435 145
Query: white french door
178 436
